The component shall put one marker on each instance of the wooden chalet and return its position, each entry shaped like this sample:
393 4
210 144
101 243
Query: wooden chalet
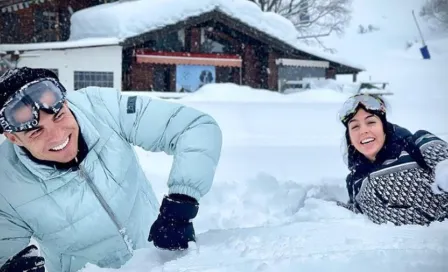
237 52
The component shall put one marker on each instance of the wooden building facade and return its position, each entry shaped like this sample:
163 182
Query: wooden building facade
212 38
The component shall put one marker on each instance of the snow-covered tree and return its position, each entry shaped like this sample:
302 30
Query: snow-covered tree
436 10
312 17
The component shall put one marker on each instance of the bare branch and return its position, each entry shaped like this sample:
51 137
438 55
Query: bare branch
312 17
326 49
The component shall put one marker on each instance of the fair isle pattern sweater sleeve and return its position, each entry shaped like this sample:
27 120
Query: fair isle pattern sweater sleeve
433 149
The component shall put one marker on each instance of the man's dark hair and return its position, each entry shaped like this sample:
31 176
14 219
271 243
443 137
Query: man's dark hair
14 79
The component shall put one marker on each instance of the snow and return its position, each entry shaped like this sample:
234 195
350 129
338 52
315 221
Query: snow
131 18
88 42
442 175
397 28
230 92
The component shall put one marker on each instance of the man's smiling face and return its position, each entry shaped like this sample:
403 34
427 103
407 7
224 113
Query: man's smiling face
55 139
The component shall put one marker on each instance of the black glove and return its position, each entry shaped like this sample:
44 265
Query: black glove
25 261
173 229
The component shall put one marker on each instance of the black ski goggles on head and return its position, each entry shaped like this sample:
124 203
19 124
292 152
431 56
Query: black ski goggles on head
21 111
351 105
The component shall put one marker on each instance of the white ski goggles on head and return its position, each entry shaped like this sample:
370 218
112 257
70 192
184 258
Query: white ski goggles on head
21 111
351 105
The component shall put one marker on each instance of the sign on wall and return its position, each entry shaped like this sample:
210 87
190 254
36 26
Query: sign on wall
189 78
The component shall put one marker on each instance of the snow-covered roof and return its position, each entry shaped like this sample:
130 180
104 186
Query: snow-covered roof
126 19
88 42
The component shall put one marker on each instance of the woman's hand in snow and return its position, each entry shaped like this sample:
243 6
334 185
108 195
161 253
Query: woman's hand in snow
441 180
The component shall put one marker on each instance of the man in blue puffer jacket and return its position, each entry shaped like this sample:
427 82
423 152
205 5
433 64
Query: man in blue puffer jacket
70 178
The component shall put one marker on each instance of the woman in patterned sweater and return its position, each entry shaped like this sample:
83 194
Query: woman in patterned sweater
391 175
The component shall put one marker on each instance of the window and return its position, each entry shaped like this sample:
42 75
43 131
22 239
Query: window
169 42
99 79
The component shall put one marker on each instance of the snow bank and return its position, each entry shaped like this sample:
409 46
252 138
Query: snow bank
230 92
130 18
234 93
321 96
159 95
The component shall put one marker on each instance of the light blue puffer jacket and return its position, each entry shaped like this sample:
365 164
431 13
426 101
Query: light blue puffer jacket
102 212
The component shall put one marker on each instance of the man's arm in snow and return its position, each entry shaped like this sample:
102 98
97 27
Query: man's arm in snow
193 137
435 153
14 234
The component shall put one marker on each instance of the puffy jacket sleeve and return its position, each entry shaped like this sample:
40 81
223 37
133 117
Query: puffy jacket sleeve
191 136
433 149
14 234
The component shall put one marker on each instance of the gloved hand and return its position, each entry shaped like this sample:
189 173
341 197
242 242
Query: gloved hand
173 228
26 260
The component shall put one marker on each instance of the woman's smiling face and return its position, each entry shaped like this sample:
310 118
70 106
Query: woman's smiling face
366 133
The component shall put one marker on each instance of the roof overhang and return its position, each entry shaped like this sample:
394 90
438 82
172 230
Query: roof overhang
84 43
178 58
303 63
